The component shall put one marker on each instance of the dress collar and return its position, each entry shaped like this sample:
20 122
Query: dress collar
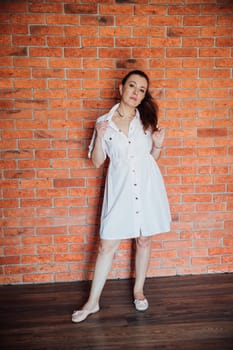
113 110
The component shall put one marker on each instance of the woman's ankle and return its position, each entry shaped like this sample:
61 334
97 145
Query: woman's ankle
139 295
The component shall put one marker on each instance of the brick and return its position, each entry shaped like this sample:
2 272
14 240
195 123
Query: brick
212 52
14 6
71 276
149 31
12 174
35 184
30 62
10 279
220 269
193 252
217 9
23 18
168 42
48 73
22 83
217 73
181 52
215 31
45 202
48 249
80 9
49 230
28 40
38 104
150 10
102 42
193 83
178 244
115 32
47 8
14 232
79 182
192 270
225 20
199 21
103 63
36 240
45 94
13 29
15 270
173 21
50 154
15 72
64 63
93 20
13 193
71 202
5 83
9 260
23 93
214 94
163 272
34 144
45 52
29 164
163 63
212 132
46 30
63 42
38 278
43 222
220 251
182 32
197 198
198 42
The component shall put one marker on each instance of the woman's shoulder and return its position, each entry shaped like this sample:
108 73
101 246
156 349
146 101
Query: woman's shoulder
102 118
107 115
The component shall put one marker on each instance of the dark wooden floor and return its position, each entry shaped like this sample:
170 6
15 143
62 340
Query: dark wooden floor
186 313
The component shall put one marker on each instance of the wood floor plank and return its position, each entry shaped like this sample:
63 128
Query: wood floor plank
185 313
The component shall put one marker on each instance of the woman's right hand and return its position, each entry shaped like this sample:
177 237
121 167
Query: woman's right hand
101 128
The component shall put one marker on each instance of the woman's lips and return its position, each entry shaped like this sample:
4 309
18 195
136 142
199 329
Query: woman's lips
133 98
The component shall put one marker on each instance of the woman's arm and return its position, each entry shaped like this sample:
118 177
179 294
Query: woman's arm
97 155
157 139
155 152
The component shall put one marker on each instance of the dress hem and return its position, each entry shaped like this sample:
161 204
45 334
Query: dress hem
135 236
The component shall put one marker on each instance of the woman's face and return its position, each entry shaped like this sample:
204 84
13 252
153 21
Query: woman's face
134 90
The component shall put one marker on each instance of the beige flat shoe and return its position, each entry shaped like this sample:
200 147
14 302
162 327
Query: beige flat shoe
81 315
141 305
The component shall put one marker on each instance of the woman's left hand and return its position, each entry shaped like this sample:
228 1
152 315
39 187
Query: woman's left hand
158 137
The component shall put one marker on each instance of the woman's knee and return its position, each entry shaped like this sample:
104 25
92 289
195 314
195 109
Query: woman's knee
143 242
108 246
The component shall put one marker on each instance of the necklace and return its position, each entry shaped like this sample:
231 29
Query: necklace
120 114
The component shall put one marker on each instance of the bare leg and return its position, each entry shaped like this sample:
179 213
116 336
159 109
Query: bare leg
107 248
143 251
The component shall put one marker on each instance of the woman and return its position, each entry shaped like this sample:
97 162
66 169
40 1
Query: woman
135 202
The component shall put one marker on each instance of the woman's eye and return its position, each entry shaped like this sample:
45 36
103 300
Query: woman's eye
143 91
131 85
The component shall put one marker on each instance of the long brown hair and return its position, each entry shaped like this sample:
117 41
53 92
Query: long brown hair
148 108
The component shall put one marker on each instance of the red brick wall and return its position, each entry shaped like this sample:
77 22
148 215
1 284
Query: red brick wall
60 65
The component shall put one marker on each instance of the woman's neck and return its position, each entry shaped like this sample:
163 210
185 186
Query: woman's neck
125 112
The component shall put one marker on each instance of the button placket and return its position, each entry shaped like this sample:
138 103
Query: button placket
136 193
135 182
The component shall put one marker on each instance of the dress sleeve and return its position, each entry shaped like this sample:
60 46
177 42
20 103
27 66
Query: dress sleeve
91 145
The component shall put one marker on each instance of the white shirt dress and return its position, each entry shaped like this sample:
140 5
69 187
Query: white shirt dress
135 200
